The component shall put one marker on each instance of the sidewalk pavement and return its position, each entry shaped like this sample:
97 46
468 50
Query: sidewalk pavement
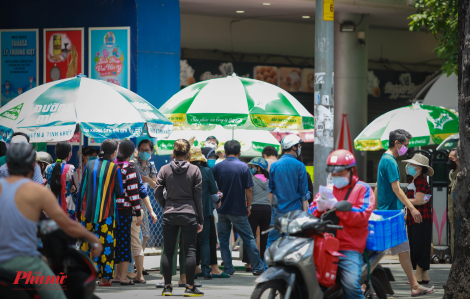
241 284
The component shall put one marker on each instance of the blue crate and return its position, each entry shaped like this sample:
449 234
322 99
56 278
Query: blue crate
386 233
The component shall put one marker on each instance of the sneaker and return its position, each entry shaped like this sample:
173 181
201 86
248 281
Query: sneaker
167 291
194 292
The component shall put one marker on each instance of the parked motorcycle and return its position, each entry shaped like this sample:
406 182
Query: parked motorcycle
303 263
74 270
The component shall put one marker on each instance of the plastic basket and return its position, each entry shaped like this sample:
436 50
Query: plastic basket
386 233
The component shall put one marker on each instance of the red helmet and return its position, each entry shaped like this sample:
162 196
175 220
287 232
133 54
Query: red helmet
340 160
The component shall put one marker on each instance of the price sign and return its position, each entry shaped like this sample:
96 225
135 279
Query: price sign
328 10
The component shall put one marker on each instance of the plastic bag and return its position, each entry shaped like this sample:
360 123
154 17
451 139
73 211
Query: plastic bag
375 217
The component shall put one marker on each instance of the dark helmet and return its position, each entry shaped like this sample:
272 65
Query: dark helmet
21 158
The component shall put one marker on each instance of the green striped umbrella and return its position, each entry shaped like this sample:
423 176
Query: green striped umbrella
50 112
237 102
427 124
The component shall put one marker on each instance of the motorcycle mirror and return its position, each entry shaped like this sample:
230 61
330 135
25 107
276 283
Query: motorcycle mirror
343 206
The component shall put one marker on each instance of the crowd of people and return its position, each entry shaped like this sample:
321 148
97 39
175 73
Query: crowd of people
207 195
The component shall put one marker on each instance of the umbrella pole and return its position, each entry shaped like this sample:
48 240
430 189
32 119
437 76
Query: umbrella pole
80 163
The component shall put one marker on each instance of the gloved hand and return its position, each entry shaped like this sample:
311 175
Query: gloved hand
326 204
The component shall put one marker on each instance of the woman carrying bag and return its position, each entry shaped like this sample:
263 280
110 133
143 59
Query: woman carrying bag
182 208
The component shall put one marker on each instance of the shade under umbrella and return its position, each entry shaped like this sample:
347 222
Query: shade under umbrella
427 124
50 112
234 101
252 142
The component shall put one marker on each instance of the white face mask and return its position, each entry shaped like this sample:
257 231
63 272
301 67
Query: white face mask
211 145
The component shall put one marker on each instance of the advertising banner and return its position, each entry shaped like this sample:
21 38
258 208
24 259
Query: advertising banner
109 56
19 65
63 53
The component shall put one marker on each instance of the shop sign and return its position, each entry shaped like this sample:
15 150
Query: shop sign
63 53
19 69
110 55
393 85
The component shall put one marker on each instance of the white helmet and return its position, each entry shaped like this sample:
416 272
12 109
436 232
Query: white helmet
290 140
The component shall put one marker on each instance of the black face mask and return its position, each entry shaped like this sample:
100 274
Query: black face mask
452 165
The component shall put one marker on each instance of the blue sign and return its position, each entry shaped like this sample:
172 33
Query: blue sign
19 62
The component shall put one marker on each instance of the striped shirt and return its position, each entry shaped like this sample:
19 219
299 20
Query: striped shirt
101 185
130 201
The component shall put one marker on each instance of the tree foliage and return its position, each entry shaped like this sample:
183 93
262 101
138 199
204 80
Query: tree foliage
440 17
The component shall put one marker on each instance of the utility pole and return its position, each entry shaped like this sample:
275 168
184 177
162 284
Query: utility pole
324 89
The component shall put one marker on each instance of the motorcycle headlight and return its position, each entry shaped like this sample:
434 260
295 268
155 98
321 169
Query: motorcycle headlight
294 227
295 256
284 224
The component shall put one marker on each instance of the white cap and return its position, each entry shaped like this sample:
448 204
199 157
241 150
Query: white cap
290 140
18 139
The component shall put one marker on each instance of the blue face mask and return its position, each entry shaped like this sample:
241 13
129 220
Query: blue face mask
411 170
340 181
210 163
144 156
253 171
92 158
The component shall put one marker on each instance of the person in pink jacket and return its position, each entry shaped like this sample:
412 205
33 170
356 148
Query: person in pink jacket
347 186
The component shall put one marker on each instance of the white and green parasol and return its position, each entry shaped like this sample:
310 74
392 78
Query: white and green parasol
50 112
427 124
252 142
238 102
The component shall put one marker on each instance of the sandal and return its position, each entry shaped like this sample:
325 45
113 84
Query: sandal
129 283
140 281
107 284
223 275
424 292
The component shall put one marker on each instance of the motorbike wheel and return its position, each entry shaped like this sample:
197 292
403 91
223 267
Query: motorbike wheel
378 289
275 289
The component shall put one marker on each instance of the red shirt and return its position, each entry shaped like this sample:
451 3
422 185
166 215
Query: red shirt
421 186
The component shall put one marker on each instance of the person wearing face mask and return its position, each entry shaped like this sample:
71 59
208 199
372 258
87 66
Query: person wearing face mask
211 156
288 182
389 196
62 179
148 172
260 217
419 234
453 165
352 239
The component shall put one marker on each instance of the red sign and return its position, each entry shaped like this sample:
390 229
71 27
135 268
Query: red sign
63 53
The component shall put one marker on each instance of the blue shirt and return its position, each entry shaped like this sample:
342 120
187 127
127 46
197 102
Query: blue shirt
288 181
37 176
233 177
387 173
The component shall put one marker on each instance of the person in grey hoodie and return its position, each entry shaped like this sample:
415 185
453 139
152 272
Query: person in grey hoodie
260 217
182 208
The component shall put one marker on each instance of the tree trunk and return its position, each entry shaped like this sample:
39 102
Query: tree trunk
458 283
